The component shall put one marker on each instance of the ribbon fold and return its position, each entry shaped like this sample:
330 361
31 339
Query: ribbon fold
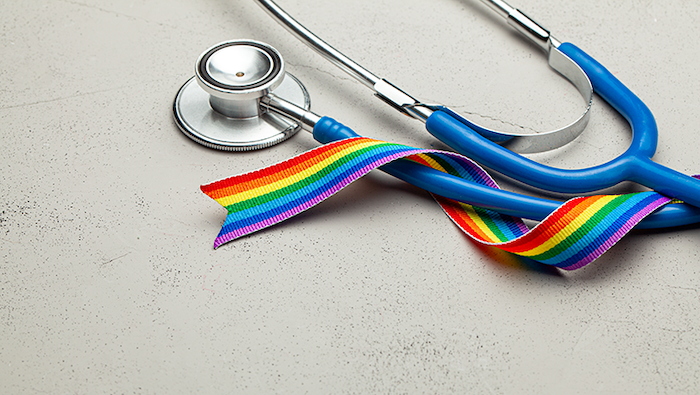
574 235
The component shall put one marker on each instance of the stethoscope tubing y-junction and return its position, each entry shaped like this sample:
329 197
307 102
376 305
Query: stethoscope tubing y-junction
634 164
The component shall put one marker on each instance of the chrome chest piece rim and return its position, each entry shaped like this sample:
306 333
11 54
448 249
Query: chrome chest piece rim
220 106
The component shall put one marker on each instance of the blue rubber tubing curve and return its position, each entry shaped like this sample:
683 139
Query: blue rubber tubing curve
510 203
634 164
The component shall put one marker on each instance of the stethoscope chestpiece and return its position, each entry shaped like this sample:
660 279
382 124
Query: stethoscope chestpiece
220 106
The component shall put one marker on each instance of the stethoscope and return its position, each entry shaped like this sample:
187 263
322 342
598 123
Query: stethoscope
241 98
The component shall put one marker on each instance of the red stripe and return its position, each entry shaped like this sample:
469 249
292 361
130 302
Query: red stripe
562 217
266 176
457 214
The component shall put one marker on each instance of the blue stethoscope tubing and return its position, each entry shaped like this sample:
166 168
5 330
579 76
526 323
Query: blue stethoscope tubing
634 164
510 203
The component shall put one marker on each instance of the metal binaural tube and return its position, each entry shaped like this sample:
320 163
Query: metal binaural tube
501 7
273 103
324 49
385 90
524 24
408 105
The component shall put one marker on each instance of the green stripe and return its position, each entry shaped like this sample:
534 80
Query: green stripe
262 199
584 229
448 167
484 214
492 225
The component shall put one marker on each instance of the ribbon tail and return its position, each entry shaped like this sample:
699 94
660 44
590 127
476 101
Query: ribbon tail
574 235
273 194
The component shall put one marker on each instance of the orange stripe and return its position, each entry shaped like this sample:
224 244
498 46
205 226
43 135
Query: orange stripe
418 158
573 208
457 213
277 172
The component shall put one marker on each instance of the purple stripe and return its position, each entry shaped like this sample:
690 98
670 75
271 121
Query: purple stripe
236 233
634 220
479 174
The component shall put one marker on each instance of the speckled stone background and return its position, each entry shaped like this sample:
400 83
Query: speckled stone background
109 283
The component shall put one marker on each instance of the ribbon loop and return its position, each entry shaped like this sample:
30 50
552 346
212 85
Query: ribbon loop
575 234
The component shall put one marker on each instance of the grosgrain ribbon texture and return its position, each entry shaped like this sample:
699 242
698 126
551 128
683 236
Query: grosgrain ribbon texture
574 235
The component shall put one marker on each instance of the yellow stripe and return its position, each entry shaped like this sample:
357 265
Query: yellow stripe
433 163
465 208
570 228
293 178
480 223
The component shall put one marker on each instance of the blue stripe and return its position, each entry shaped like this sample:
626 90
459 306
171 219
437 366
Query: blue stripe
602 231
284 203
504 224
465 169
507 225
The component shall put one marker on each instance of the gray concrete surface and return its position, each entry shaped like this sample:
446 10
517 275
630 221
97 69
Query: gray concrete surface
109 283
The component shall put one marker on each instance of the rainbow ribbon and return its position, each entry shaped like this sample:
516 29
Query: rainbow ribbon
575 234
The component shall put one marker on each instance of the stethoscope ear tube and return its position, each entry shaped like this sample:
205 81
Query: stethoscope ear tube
633 165
327 130
529 143
408 105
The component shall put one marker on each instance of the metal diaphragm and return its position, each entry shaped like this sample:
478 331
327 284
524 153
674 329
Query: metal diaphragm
220 106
